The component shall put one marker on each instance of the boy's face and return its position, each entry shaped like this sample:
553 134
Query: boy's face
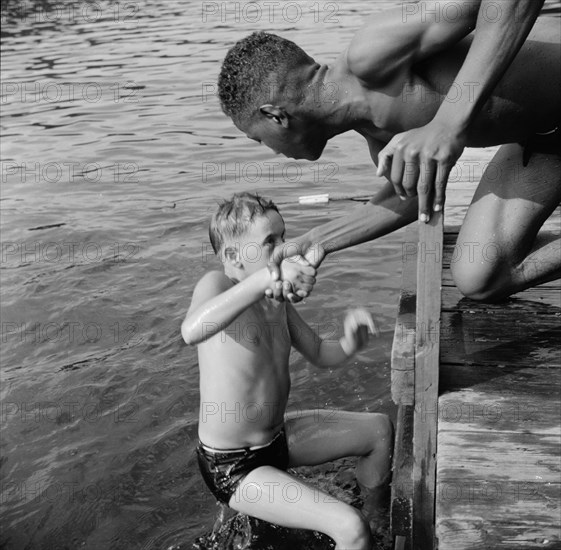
298 141
253 249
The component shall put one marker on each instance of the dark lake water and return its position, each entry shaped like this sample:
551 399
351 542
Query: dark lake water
114 155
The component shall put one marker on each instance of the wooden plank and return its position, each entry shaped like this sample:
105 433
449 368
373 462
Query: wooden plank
429 271
403 347
499 463
401 513
447 280
529 384
474 533
543 299
501 338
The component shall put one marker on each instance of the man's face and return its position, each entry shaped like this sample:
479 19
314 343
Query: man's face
255 247
298 141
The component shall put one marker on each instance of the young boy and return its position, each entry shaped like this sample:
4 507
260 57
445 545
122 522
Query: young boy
394 76
244 341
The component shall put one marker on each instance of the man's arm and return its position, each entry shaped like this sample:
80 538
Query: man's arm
420 160
397 38
383 214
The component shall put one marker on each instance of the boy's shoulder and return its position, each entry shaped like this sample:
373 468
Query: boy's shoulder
211 284
214 280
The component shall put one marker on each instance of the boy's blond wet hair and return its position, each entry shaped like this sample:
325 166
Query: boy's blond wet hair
234 217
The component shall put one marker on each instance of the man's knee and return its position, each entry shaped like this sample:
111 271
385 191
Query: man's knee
482 280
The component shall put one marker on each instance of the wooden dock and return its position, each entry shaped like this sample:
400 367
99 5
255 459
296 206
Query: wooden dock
477 461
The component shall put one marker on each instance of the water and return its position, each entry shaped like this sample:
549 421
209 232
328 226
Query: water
115 152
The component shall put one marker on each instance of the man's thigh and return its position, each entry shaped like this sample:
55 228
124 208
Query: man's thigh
510 205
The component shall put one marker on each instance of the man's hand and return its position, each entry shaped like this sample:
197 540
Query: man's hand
300 252
418 162
296 275
357 325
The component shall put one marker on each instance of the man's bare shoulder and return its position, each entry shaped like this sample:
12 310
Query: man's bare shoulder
368 56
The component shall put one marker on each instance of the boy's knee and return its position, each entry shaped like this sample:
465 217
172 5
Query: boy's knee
354 531
383 429
386 427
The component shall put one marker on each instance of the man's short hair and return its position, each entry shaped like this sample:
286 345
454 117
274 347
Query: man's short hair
234 217
245 75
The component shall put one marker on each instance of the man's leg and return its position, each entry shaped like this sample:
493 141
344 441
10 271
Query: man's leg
277 497
499 251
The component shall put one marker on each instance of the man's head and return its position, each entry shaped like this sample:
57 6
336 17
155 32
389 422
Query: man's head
262 87
244 231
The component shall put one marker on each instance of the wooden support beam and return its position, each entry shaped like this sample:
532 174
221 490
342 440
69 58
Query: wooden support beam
403 347
427 344
401 513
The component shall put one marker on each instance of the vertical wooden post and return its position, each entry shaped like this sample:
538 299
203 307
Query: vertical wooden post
427 355
403 395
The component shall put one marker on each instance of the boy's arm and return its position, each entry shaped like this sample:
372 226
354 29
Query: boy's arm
217 302
328 353
502 27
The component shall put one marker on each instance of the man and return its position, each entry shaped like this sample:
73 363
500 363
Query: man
394 77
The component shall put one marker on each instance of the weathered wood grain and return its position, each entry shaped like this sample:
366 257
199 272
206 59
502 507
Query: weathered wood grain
457 534
527 384
427 344
401 515
403 347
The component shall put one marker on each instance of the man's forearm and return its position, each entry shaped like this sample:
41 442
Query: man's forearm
502 27
385 213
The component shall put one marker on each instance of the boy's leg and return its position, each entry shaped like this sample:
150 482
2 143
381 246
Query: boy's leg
277 497
498 251
318 436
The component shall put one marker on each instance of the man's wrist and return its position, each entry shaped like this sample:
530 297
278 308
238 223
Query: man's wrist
456 121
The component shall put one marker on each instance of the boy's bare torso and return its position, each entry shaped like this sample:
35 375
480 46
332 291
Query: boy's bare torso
526 101
244 378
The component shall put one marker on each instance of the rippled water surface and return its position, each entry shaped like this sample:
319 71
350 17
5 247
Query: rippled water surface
114 155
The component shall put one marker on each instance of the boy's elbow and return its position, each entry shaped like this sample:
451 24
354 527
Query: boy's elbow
188 334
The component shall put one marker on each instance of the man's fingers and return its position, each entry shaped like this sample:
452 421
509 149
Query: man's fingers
410 178
315 254
442 174
385 160
396 173
425 189
283 251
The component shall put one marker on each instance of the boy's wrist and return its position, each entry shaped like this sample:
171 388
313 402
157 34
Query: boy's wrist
348 349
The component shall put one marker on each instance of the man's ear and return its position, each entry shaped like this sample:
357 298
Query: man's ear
276 114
